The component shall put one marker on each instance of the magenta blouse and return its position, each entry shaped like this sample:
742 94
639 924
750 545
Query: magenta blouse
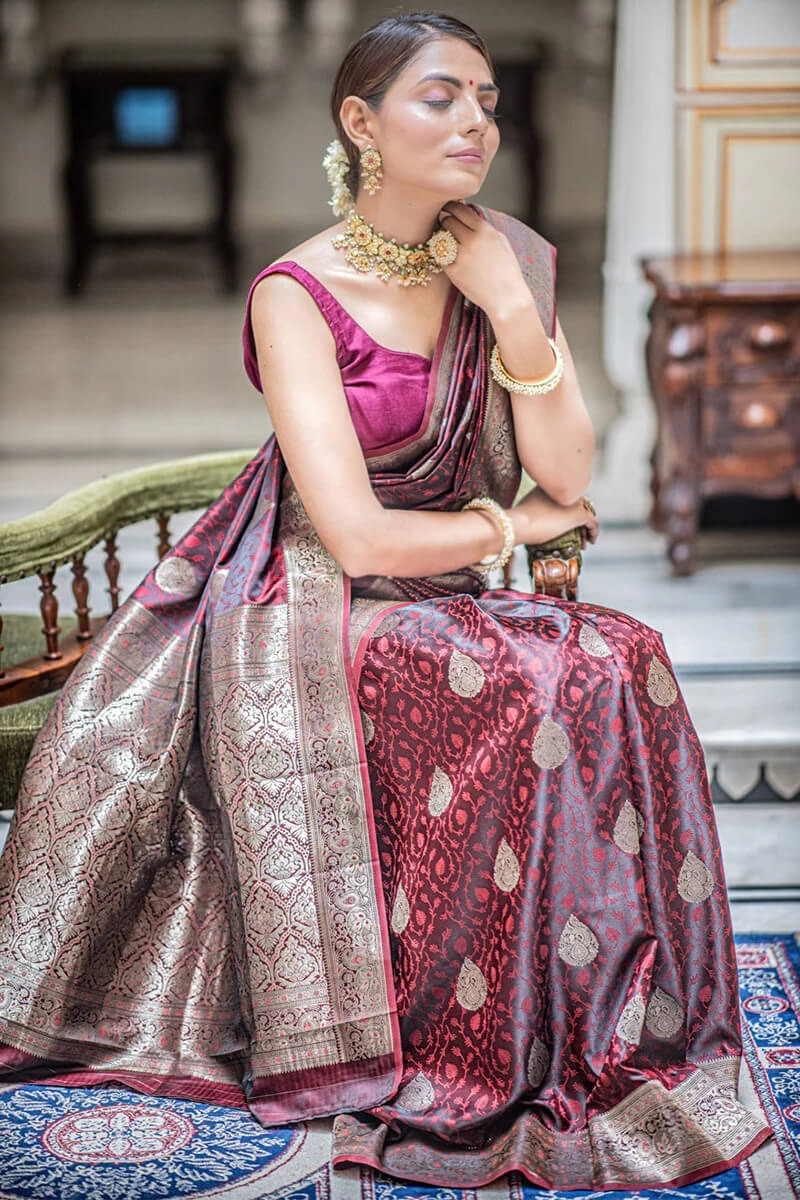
387 390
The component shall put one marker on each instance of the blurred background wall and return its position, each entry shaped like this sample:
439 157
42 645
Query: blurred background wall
281 119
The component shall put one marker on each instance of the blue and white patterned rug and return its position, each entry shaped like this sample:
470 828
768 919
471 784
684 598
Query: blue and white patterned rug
111 1144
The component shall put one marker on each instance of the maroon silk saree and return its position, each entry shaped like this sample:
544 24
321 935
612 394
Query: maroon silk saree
437 861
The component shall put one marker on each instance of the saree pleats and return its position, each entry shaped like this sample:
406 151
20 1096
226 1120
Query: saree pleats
436 861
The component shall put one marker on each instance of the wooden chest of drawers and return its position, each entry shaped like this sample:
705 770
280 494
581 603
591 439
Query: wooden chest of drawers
723 360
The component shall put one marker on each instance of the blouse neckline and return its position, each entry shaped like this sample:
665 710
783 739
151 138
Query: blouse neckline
387 349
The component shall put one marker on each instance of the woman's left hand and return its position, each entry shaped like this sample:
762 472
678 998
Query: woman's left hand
486 269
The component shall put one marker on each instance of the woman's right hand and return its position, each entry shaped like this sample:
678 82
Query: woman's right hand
537 518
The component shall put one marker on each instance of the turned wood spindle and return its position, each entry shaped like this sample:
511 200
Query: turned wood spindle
112 570
80 590
49 611
164 544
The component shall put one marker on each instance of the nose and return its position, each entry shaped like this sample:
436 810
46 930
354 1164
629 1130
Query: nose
474 114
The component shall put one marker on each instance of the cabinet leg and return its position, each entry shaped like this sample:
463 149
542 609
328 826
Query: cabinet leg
656 513
679 510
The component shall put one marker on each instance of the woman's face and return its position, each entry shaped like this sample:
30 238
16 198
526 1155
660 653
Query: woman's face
435 128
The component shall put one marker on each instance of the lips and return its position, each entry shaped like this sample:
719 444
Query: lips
468 156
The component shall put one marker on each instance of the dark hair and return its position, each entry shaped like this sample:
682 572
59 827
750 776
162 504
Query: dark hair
375 60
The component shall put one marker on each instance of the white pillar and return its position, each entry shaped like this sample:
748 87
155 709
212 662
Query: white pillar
640 221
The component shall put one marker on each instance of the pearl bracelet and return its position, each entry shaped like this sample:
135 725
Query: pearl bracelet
527 387
493 509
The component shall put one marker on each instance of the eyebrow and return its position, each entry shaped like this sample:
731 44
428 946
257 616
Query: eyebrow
482 87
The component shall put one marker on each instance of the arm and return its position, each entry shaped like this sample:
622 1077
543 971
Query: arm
306 401
553 432
554 436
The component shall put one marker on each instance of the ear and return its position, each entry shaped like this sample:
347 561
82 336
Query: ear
357 121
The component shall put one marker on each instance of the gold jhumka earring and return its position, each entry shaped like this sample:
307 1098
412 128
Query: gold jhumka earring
370 166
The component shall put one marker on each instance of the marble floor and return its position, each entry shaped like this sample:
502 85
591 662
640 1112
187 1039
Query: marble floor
147 366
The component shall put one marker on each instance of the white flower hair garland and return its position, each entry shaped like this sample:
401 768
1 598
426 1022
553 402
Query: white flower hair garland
336 167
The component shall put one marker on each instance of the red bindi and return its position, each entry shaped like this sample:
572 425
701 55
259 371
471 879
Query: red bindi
470 81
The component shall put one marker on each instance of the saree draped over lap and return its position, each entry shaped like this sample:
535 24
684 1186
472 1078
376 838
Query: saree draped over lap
436 860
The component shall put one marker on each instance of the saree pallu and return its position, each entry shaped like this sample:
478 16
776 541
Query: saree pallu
438 861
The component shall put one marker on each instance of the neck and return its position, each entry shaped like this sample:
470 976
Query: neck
397 216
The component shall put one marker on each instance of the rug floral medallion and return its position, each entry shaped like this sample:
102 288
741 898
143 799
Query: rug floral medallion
112 1144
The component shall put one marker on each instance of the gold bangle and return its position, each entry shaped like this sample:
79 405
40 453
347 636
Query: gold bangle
493 509
527 387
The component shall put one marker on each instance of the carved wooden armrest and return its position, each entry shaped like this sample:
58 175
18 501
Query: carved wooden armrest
554 566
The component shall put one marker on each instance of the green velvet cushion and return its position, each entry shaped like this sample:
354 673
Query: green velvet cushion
19 725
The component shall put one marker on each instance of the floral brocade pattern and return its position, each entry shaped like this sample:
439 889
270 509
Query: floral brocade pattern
558 910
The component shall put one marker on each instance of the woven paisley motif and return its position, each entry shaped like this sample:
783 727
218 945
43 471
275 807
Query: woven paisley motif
664 1015
465 676
661 687
440 794
389 622
417 1095
631 1021
400 911
538 1063
506 867
471 990
368 727
593 642
695 881
551 745
218 582
577 945
176 576
626 829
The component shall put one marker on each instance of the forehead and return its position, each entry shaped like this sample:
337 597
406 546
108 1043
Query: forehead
448 55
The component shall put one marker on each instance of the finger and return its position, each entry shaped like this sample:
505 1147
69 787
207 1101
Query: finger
463 212
453 225
446 215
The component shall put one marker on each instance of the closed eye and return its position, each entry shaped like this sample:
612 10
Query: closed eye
494 116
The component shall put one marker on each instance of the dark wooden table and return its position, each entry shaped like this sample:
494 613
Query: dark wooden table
723 359
131 100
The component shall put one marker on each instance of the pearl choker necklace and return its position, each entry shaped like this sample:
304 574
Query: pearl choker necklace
367 250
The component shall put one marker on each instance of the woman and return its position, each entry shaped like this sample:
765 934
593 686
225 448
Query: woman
323 826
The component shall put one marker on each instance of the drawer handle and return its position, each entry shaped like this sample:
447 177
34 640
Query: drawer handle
758 415
686 340
768 335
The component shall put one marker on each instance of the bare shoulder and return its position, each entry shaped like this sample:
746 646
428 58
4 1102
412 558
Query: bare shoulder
281 304
316 253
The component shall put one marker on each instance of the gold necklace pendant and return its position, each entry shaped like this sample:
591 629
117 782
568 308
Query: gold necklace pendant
369 251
